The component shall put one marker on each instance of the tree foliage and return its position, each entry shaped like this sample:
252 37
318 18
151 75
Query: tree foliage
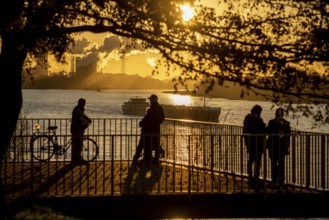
278 46
276 49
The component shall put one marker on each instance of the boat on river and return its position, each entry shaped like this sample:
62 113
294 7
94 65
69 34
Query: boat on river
135 106
138 105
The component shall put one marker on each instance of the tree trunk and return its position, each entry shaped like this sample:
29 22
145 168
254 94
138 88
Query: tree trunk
11 61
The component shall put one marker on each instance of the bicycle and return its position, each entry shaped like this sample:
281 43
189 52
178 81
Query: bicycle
44 146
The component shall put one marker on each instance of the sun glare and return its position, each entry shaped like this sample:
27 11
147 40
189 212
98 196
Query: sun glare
181 99
188 12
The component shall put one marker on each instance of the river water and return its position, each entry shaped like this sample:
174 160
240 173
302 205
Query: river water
107 104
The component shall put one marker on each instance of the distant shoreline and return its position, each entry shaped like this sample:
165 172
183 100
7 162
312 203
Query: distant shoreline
231 94
215 95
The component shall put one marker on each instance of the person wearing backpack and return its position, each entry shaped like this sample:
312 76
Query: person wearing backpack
79 123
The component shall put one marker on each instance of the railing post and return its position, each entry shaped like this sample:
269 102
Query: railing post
241 154
307 158
324 162
265 159
189 167
112 165
293 156
212 153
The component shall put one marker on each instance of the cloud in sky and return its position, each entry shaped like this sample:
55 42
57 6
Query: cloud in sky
110 43
80 46
108 51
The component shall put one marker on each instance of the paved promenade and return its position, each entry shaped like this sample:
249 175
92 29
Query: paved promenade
120 189
113 179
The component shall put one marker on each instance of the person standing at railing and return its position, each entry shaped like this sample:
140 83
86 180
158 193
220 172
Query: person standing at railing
150 134
79 122
254 128
278 141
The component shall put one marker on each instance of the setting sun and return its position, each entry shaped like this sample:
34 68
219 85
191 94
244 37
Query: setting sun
188 12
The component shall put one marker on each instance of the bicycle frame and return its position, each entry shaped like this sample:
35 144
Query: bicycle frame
58 147
45 145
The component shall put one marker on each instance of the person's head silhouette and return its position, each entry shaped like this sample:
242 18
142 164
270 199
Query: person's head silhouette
279 113
257 109
153 98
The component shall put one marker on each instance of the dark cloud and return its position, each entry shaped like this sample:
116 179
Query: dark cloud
89 59
80 46
89 54
109 44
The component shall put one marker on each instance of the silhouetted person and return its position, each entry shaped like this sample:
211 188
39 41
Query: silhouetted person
278 141
79 122
254 127
150 134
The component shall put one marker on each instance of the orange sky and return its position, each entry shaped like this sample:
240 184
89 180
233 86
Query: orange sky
106 46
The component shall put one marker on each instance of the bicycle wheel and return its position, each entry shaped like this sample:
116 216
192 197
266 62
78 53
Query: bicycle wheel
42 148
89 150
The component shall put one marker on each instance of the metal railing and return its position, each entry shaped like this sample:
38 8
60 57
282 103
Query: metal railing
199 157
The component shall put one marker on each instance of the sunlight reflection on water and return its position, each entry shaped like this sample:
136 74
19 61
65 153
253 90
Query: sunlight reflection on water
107 104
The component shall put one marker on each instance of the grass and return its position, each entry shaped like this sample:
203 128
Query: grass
37 212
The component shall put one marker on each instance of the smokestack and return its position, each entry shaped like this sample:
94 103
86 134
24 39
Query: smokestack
73 66
123 64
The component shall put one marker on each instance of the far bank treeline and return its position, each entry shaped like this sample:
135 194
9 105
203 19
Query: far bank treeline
126 82
96 81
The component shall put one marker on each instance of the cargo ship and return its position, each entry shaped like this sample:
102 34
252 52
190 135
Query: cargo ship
138 106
